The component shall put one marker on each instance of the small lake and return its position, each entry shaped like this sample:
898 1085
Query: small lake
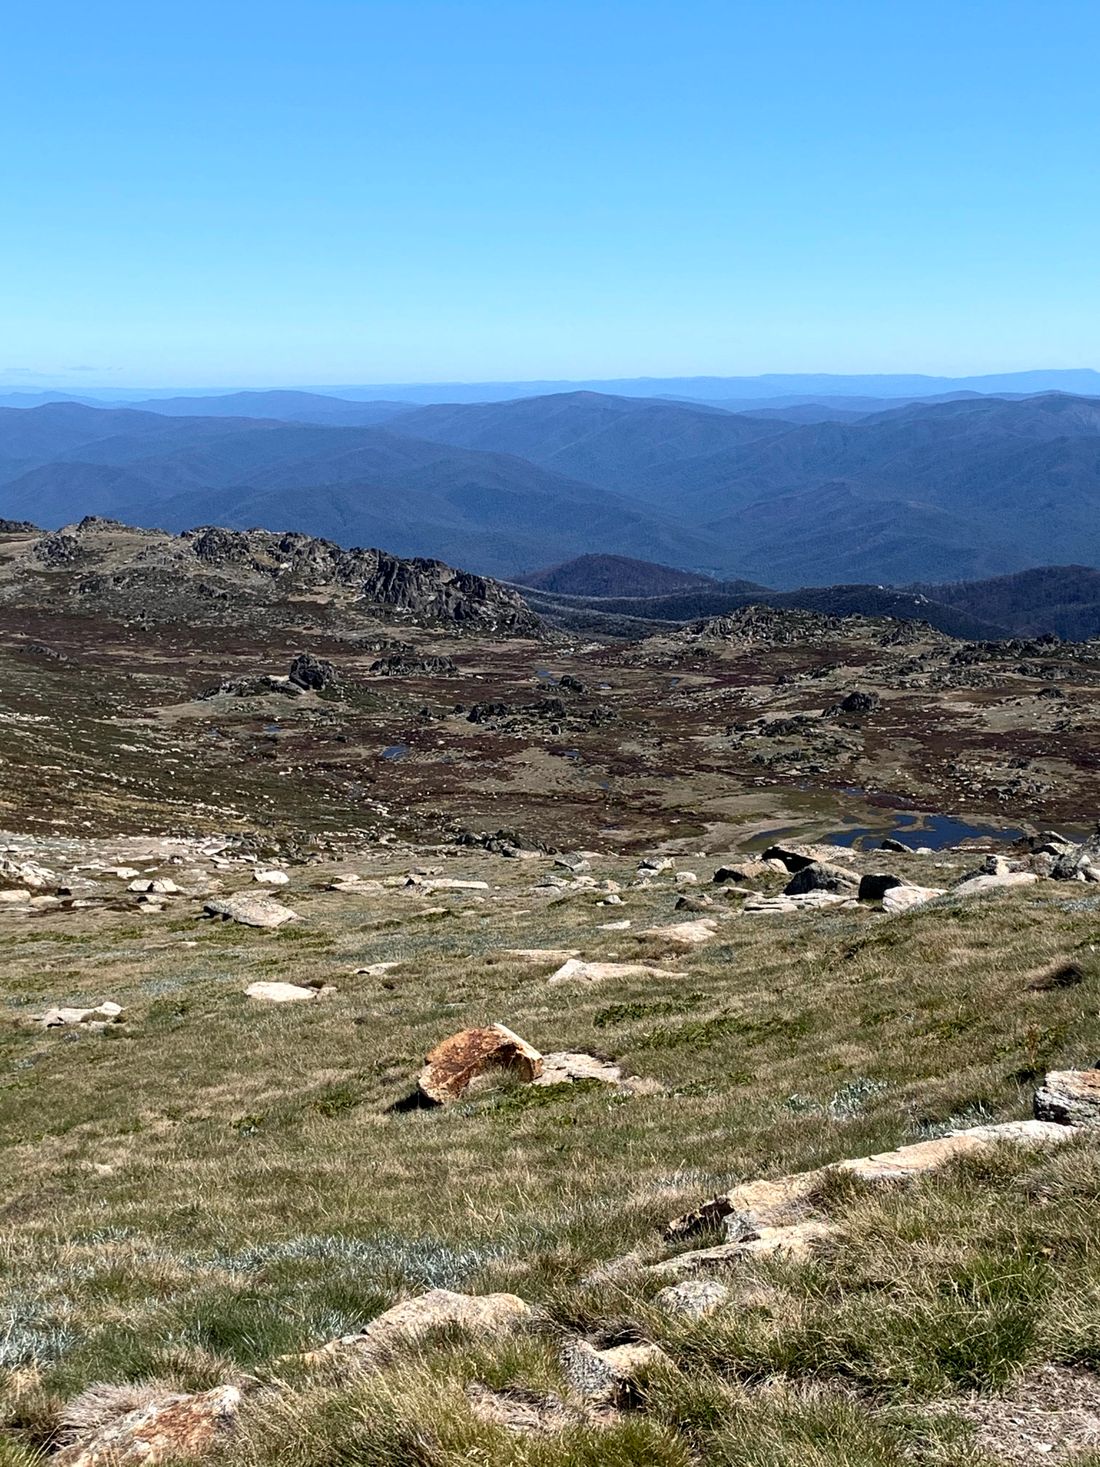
917 828
395 751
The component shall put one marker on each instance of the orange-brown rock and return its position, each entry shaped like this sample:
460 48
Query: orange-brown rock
166 1428
473 1054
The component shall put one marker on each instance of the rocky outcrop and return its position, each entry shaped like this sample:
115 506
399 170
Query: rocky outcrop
755 1205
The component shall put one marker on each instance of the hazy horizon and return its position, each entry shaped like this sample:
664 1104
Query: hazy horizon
376 193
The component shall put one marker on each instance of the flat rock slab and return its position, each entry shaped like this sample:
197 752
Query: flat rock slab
484 1316
168 1429
562 1067
104 1013
904 898
533 1413
473 1054
286 992
1070 1098
443 883
808 901
250 911
975 885
686 934
576 970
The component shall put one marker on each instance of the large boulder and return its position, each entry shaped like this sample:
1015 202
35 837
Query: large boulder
1070 1097
476 1055
874 886
823 876
795 857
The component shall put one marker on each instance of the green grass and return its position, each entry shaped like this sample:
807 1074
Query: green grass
219 1182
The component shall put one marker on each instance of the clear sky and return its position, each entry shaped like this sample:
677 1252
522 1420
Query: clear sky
353 191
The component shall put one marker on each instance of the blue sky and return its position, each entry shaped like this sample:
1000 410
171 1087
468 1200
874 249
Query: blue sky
426 190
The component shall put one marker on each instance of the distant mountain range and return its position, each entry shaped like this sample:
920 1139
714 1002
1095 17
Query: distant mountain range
959 489
783 388
592 589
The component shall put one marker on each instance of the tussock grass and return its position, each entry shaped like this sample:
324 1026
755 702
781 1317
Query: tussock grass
218 1182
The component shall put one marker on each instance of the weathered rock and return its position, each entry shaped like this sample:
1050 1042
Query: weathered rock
694 903
742 873
779 1202
793 1241
165 1428
902 898
562 1067
795 857
608 1377
897 846
694 1298
785 906
25 873
823 876
483 1316
104 1013
163 886
271 878
573 861
655 865
1070 1098
685 934
472 1054
287 992
975 885
429 884
576 970
250 911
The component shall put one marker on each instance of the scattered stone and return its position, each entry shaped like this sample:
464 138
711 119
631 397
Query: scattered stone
163 1428
485 1316
250 911
576 970
975 885
694 903
102 1014
794 1241
573 861
655 866
1070 1098
313 673
694 1298
444 883
686 934
287 992
271 878
164 886
902 898
685 878
474 1054
25 873
785 906
608 1377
